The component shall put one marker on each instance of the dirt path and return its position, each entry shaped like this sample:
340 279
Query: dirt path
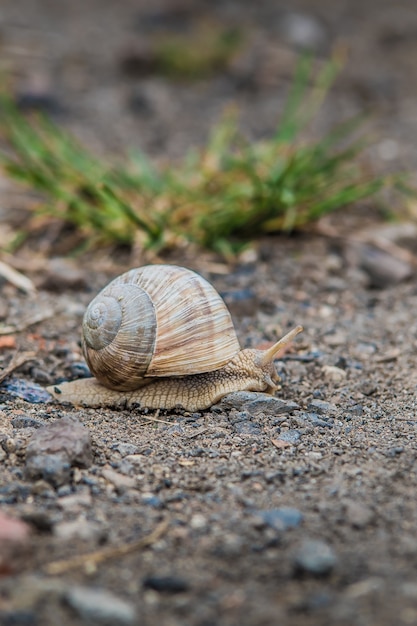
237 515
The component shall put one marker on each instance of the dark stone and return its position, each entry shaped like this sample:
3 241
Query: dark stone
26 422
54 468
20 388
166 584
18 618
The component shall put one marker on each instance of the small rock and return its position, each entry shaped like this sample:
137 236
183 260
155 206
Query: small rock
63 274
53 449
246 427
120 481
79 370
40 376
66 436
150 500
291 436
80 529
315 557
241 302
166 584
282 518
98 606
333 373
18 618
20 388
198 521
26 422
76 502
269 405
322 407
53 468
383 269
43 521
368 388
358 514
256 402
314 420
125 448
304 31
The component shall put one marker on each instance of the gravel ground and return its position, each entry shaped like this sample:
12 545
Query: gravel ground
298 510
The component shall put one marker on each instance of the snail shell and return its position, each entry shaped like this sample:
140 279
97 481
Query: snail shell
156 321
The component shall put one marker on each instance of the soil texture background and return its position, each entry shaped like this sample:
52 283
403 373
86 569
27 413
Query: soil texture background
297 511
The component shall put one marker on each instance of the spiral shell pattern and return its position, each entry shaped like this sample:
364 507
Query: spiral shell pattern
155 321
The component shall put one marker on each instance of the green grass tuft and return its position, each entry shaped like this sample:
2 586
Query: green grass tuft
220 197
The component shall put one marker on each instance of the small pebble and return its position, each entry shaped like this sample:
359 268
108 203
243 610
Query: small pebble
333 373
256 402
124 448
120 481
246 427
358 514
26 422
315 557
18 618
80 529
166 584
54 468
383 269
20 388
303 30
282 518
314 420
290 436
65 436
322 407
99 606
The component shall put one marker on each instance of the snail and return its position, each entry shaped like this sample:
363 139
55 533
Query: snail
162 337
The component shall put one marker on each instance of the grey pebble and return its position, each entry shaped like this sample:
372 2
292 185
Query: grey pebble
124 448
246 427
54 448
315 420
26 390
315 557
358 514
65 436
257 402
26 422
383 269
79 370
303 30
18 618
166 584
282 518
291 435
99 606
322 407
54 468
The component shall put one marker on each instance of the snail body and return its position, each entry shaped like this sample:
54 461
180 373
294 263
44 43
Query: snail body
160 336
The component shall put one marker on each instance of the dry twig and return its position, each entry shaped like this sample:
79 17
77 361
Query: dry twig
92 559
18 359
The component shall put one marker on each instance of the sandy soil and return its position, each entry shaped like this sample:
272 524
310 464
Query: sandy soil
249 514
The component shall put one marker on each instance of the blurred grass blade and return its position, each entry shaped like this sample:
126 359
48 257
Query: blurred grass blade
220 197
